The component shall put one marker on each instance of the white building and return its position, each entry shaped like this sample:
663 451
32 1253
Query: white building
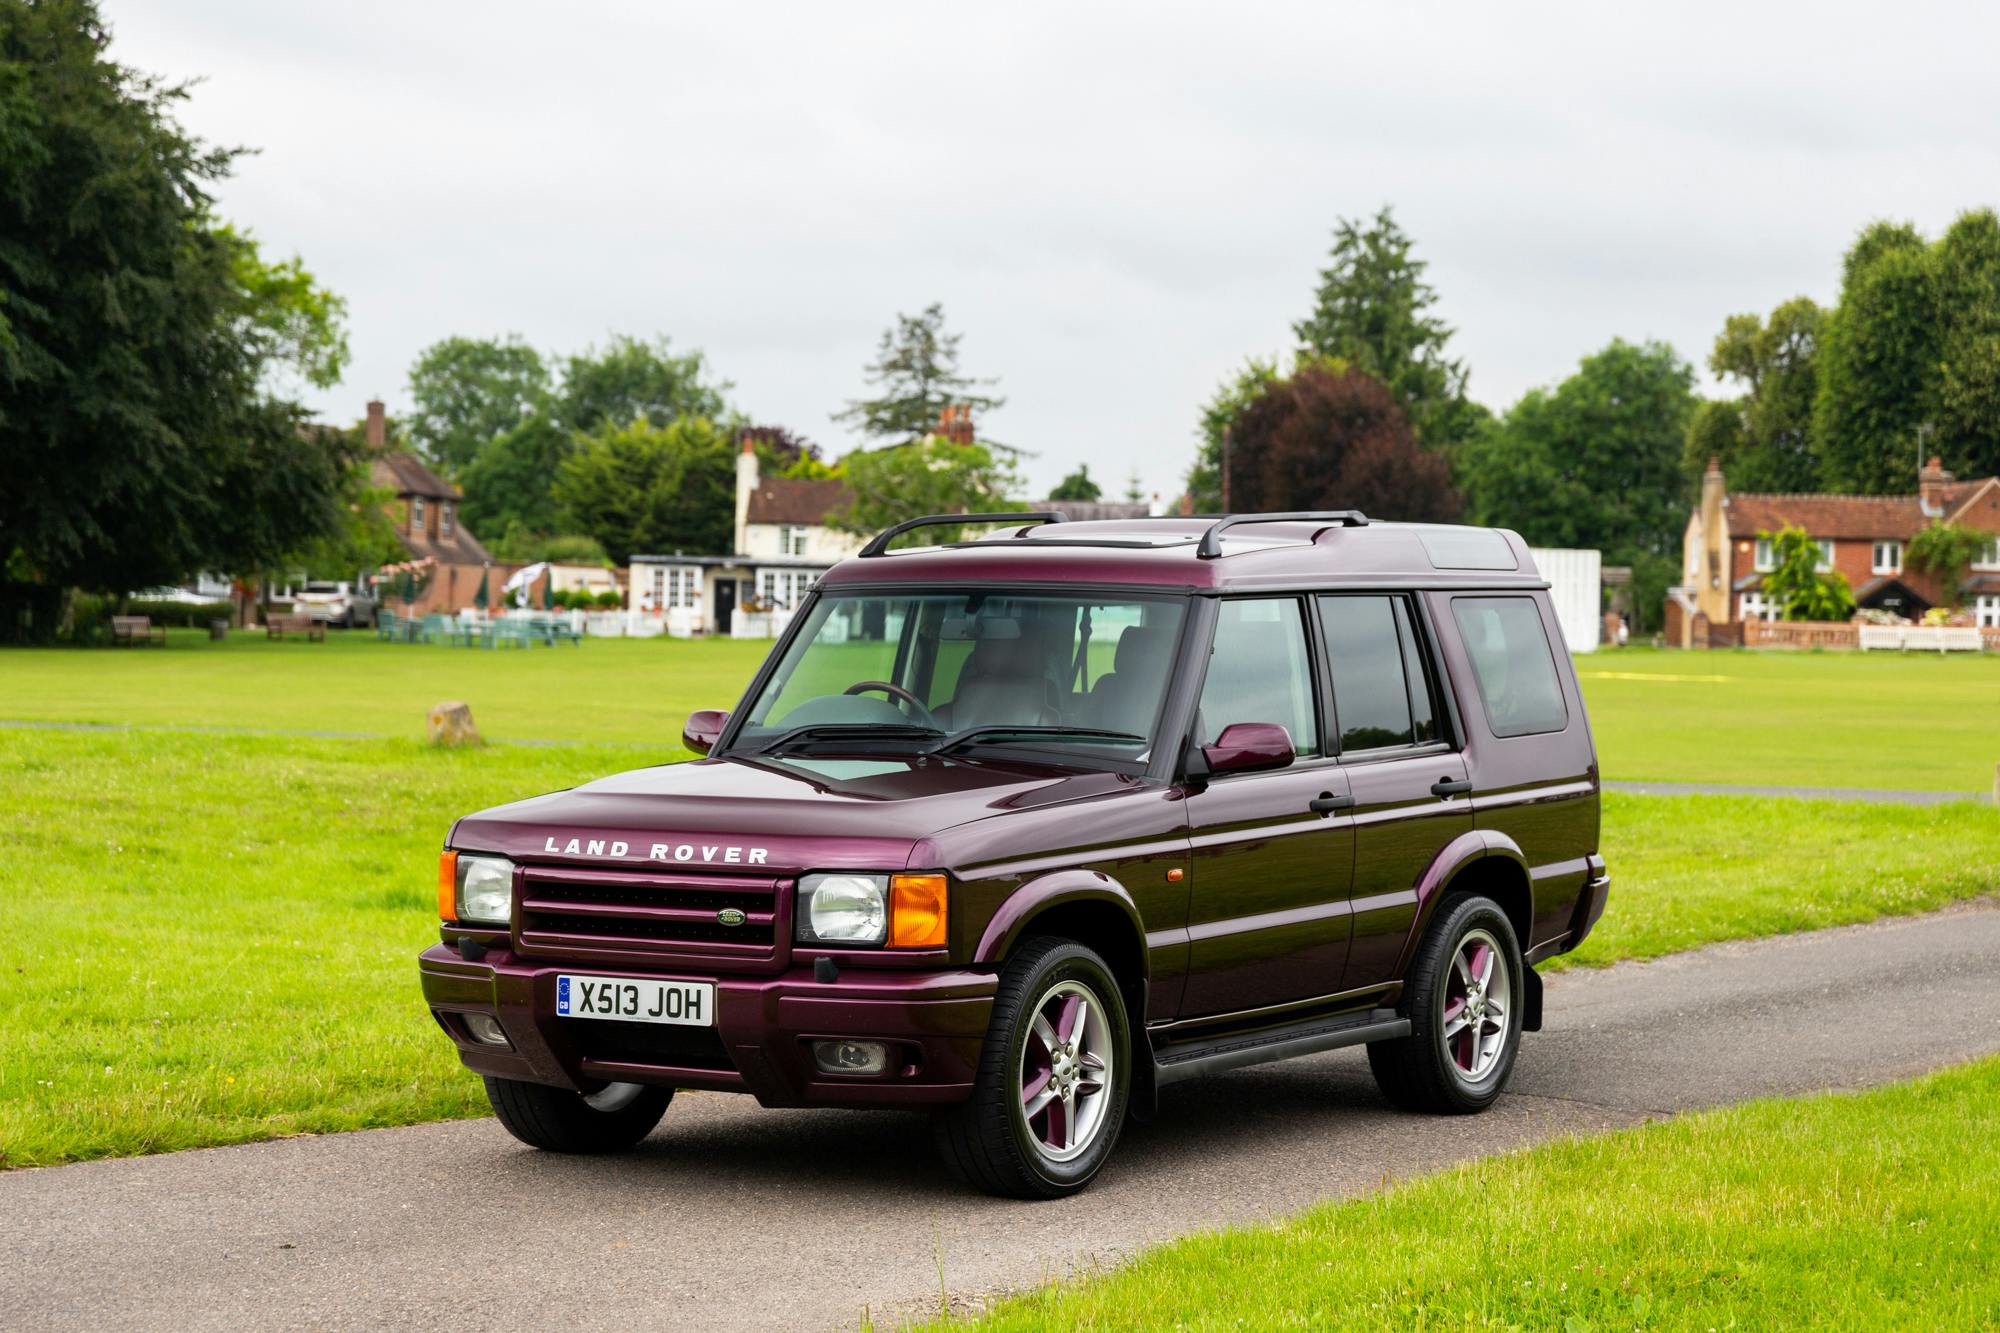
782 545
1576 587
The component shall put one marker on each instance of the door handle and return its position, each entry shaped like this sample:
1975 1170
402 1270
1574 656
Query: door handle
1449 787
1327 803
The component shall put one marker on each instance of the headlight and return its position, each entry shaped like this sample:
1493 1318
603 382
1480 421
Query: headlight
843 909
485 890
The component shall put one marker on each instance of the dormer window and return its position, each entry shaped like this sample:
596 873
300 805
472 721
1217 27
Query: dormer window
416 513
445 511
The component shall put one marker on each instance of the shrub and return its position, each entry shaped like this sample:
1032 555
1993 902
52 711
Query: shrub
608 600
1799 585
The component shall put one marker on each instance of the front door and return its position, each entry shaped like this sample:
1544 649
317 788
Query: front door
1408 782
1268 912
725 604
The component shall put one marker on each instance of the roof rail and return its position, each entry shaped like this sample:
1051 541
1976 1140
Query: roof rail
879 544
1211 541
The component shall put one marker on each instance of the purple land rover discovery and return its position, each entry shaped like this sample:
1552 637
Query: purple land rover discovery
1023 829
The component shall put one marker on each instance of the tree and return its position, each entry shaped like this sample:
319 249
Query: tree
1765 438
1968 388
1372 313
1880 353
1135 489
641 487
928 476
1595 463
785 453
510 482
1077 486
1219 414
1335 439
468 392
633 380
1799 586
916 370
138 440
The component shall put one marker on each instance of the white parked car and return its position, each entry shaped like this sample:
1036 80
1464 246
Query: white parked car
343 604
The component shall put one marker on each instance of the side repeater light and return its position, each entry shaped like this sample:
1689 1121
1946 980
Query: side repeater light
916 911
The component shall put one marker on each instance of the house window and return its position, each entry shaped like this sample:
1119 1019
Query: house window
1989 555
1756 606
1825 554
784 589
791 539
1988 609
417 512
683 587
1888 558
444 517
1767 560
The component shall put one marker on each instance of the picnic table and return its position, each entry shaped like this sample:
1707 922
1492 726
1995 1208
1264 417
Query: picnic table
294 624
128 630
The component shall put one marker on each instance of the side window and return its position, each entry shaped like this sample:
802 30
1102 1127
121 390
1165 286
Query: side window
1423 685
1258 671
1366 657
1512 664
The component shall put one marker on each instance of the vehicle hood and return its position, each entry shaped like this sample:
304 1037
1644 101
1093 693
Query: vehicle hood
782 815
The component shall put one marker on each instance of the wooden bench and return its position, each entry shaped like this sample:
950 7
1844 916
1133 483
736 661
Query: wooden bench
277 627
129 630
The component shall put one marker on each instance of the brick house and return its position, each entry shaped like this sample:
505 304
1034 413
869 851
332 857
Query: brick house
425 511
1724 559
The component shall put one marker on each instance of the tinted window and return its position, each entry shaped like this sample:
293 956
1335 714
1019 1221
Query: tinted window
1258 671
1512 664
1364 652
1423 688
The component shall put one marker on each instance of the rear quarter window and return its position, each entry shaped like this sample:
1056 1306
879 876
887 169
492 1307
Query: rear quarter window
1512 664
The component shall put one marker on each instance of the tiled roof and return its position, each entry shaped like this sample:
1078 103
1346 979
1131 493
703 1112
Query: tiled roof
405 474
1849 516
801 500
461 548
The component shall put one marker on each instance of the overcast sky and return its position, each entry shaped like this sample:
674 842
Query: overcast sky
1115 204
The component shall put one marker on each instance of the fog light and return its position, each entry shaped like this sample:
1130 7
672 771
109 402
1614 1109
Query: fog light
486 1028
851 1057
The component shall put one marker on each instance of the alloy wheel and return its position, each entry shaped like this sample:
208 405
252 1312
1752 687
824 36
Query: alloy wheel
1478 998
1066 1071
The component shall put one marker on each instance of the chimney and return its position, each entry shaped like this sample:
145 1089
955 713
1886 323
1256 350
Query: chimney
1713 566
1931 481
747 481
955 423
378 426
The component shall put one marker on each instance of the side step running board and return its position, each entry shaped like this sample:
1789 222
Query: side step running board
1198 1058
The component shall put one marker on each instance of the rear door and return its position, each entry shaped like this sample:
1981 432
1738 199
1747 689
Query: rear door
1268 911
1407 777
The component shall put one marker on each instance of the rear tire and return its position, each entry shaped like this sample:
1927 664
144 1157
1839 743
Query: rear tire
1055 1076
557 1120
1465 996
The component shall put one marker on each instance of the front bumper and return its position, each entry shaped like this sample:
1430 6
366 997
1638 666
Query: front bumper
934 1023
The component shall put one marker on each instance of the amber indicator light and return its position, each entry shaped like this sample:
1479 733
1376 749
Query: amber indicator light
447 885
916 911
1175 875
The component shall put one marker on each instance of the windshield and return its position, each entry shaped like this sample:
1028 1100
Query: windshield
1083 674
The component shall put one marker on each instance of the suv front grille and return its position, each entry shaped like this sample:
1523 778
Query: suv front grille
642 917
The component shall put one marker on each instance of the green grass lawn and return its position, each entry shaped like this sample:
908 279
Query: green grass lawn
1841 1211
619 690
1923 722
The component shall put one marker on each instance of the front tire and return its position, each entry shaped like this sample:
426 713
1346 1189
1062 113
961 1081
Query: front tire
612 1119
1465 998
1055 1075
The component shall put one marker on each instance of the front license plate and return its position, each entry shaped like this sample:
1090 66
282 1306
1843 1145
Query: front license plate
687 1003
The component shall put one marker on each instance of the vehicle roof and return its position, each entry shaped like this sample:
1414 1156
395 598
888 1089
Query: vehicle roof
1162 552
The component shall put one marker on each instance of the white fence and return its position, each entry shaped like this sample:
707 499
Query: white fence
1576 586
1922 638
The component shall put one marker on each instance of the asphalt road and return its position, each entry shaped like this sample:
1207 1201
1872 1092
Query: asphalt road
732 1217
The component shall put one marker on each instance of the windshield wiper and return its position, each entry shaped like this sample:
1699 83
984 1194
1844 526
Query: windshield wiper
849 730
989 734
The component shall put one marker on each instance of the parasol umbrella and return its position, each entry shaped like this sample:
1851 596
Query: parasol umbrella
482 597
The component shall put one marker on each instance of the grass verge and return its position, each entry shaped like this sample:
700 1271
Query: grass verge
1870 1210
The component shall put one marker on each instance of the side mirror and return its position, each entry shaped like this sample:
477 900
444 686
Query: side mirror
1249 747
704 729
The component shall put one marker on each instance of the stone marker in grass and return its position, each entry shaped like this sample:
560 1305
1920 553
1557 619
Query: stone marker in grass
451 724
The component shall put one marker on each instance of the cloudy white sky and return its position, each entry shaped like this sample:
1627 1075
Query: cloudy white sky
1115 204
